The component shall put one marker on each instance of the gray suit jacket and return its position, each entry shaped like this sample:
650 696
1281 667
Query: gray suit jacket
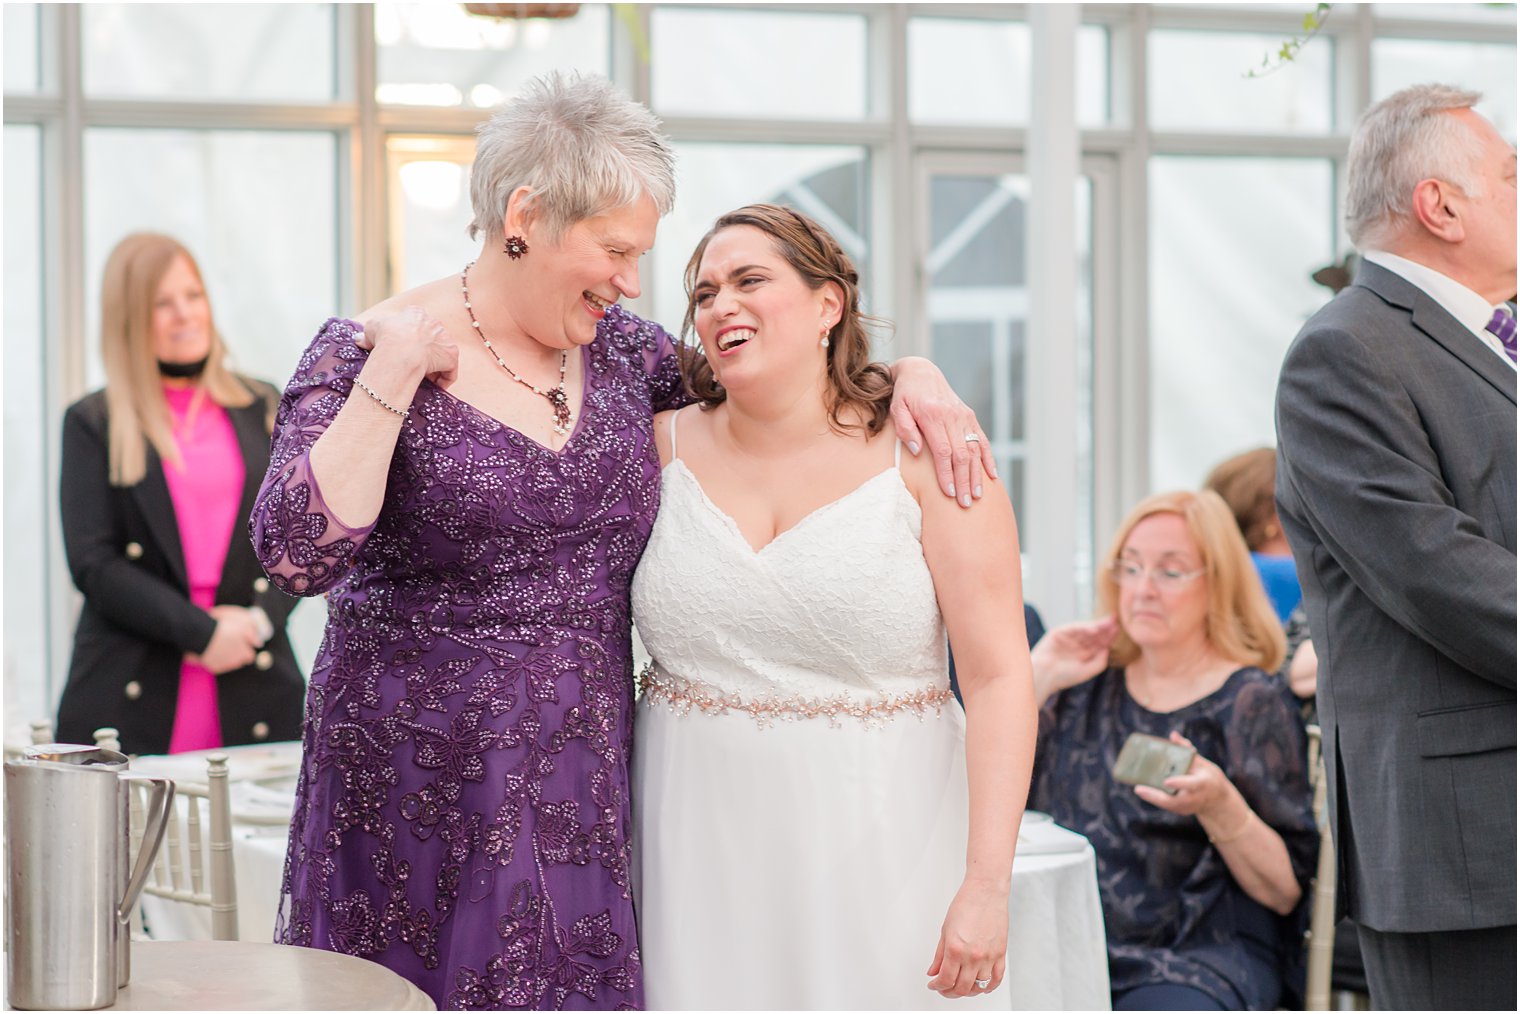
1396 489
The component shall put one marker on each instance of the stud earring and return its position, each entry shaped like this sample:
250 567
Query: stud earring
515 247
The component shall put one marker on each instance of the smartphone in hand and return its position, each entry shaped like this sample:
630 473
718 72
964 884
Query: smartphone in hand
1151 760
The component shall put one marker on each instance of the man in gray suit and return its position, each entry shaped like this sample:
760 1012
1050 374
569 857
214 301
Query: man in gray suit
1396 487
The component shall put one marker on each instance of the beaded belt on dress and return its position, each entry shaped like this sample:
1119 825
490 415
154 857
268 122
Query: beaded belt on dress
657 685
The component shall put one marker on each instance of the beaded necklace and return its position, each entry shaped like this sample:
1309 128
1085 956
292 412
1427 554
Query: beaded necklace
554 395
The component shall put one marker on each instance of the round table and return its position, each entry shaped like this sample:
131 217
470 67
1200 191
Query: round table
1057 957
234 975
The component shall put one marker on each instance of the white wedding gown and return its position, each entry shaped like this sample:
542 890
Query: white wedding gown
799 762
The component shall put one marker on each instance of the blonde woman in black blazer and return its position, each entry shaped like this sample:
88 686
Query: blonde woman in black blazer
138 624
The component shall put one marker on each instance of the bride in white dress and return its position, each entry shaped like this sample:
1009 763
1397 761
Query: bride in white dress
818 824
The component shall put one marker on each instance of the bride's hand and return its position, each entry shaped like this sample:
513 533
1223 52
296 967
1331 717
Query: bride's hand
973 943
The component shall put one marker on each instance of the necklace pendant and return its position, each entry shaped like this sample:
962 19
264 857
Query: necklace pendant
561 407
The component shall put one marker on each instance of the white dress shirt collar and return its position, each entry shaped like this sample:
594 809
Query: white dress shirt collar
1471 310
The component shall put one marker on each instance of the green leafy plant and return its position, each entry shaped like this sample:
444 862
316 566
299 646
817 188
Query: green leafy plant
1313 23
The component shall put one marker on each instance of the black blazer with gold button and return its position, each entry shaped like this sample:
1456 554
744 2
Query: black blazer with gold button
137 622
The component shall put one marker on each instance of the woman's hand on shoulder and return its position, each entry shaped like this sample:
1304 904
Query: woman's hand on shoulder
1072 653
928 412
409 336
973 942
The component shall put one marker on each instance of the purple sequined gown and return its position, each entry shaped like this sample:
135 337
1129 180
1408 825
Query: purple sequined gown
463 811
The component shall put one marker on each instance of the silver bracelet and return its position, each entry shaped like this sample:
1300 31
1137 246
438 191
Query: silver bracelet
361 385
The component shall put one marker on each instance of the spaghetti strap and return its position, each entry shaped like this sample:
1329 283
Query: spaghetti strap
673 431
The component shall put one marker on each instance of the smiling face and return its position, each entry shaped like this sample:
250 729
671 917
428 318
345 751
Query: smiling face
755 314
1151 616
571 282
181 321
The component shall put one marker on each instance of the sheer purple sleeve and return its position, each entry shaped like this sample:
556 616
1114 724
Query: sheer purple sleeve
303 547
661 358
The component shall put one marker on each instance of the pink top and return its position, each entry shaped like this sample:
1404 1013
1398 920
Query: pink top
206 489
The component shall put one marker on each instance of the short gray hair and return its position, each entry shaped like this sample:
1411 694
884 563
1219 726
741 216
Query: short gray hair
1400 141
583 148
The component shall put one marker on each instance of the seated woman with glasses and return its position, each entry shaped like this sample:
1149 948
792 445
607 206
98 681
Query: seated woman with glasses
1200 878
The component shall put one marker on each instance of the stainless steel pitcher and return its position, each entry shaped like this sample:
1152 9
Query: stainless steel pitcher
70 896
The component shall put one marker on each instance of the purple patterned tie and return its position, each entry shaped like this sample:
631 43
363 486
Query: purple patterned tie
1502 326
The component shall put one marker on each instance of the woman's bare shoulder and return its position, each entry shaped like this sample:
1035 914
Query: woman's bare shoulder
917 470
436 297
663 423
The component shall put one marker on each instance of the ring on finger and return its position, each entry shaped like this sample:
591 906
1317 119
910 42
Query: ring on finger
973 438
982 983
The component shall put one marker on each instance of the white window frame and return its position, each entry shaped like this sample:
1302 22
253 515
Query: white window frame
1120 151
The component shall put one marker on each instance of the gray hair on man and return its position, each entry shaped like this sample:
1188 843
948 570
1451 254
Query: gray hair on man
579 144
1400 141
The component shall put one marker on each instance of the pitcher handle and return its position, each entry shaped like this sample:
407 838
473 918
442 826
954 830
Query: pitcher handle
155 822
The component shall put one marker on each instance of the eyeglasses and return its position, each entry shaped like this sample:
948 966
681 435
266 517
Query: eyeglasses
1165 579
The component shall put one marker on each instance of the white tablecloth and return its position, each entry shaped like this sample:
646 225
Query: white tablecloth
1057 954
1057 959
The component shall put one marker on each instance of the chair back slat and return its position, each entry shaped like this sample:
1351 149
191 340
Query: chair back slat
223 882
1322 904
108 739
195 863
170 854
193 840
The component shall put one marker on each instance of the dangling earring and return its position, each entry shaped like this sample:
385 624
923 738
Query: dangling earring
824 339
515 247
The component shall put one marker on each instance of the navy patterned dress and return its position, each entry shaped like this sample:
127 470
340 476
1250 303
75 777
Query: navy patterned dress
1173 912
463 806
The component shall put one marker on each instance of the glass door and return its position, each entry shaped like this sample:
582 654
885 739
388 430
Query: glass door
974 301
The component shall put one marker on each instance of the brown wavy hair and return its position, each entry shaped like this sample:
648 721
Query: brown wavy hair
1240 622
1246 484
855 381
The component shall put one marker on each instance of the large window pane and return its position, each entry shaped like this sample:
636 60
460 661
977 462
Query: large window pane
258 210
429 191
1198 81
226 52
1094 91
29 493
1490 14
966 71
1486 67
433 54
803 66
21 49
826 182
978 309
1230 287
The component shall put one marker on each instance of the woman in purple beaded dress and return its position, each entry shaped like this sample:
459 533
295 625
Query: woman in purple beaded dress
473 507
